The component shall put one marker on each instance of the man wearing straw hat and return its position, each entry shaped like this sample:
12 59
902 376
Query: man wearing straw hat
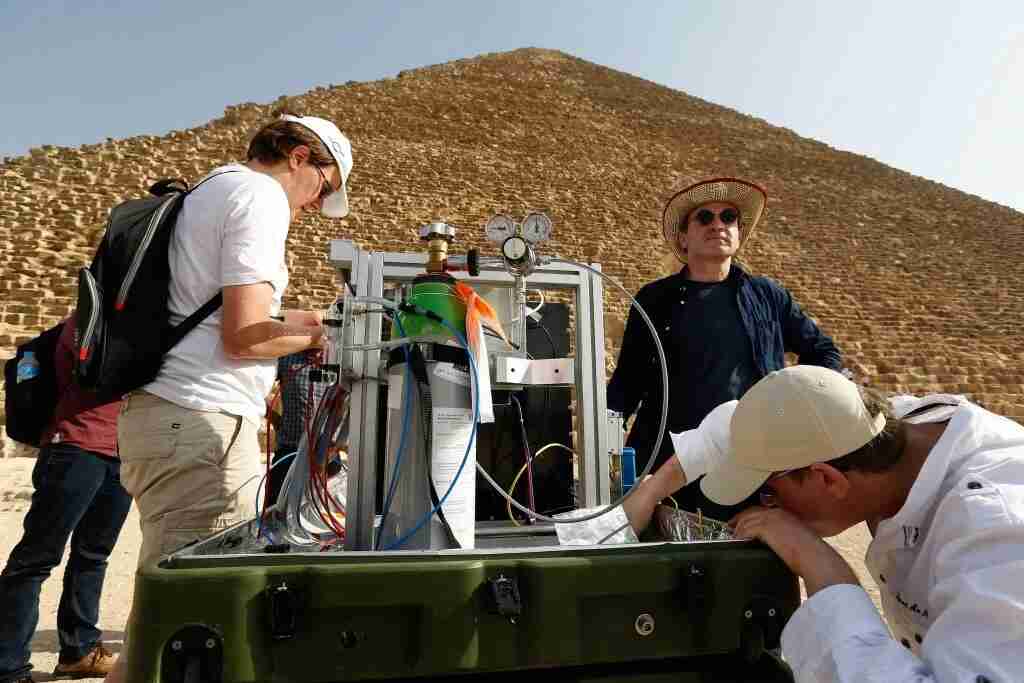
722 328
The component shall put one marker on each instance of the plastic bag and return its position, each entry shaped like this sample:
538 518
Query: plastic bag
611 528
680 525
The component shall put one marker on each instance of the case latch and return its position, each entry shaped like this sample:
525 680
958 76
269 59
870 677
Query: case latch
281 611
505 595
194 654
761 627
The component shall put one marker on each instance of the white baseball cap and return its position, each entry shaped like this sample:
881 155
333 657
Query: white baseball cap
790 419
336 204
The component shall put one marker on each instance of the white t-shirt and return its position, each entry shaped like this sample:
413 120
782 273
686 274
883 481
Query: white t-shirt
231 231
706 447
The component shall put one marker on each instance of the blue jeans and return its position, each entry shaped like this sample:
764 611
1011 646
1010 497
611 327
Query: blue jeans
78 495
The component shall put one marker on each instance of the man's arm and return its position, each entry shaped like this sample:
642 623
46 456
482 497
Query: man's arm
976 603
248 332
802 336
803 551
977 633
639 507
697 451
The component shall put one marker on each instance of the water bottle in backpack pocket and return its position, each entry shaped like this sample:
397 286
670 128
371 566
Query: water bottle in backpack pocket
30 388
28 367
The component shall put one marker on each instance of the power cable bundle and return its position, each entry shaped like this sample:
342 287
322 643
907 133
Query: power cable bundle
311 505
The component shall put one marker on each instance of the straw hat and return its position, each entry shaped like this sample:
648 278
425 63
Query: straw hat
749 198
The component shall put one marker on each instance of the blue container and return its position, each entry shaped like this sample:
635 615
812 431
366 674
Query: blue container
628 460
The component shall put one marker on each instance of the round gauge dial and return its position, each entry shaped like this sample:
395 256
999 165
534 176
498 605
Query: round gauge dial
514 248
536 227
499 228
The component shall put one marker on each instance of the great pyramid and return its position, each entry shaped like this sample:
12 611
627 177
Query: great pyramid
915 280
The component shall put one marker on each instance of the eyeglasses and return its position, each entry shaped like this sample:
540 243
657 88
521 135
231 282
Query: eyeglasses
768 498
767 495
325 189
706 216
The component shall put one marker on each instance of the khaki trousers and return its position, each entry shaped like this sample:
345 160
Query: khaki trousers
191 472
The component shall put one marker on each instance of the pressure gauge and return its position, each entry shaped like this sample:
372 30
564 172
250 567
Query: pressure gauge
536 227
499 228
515 249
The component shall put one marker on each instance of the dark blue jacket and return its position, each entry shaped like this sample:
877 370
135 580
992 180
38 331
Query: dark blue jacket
774 324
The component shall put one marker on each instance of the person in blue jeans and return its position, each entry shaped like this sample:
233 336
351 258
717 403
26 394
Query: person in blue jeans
78 497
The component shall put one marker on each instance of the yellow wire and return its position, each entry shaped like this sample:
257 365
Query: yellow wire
508 503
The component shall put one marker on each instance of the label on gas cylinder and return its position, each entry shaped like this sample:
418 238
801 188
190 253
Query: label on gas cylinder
452 429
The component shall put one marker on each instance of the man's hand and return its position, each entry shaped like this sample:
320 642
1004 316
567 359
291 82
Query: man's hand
310 321
803 551
247 331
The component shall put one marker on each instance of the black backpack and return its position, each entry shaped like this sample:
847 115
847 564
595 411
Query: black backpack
124 329
29 406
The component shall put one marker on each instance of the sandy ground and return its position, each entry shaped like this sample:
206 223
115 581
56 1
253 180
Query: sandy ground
16 493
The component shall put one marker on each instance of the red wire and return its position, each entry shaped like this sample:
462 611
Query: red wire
317 484
320 496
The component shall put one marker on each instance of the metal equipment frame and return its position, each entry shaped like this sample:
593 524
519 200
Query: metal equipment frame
367 273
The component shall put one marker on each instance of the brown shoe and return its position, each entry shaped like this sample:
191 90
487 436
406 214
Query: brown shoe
96 664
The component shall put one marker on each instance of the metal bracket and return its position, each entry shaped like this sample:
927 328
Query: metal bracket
528 372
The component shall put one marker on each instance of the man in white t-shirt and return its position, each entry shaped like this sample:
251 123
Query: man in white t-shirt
939 482
188 440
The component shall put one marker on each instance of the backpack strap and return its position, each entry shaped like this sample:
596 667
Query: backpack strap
168 185
188 324
210 177
206 310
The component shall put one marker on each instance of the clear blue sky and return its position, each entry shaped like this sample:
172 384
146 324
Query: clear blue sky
934 88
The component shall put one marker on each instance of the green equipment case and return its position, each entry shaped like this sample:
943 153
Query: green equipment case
518 605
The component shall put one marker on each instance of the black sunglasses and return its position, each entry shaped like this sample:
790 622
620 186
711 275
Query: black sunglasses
325 189
706 216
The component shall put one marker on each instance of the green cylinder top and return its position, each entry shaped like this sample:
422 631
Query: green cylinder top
435 293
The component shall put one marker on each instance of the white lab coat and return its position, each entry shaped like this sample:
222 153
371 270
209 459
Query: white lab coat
949 566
